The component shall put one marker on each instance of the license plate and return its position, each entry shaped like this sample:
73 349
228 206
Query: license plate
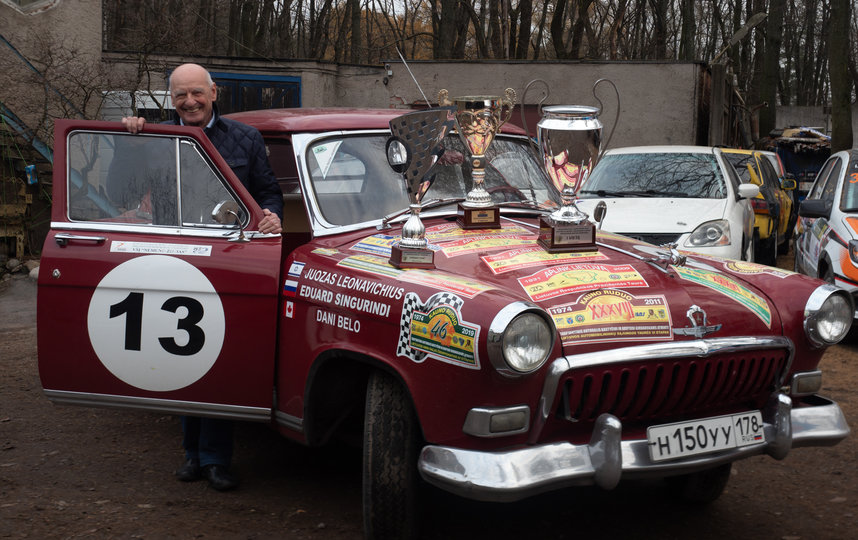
804 186
683 439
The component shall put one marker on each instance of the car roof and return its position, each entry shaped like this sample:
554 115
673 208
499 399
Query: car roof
321 119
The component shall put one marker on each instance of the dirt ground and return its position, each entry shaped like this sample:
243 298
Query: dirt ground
70 472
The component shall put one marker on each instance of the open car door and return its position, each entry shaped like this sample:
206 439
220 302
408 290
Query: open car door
145 300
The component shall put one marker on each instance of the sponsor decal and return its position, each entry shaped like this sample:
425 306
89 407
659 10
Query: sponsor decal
750 269
378 244
730 288
349 284
476 245
445 282
449 232
613 315
573 278
435 329
528 257
371 264
328 252
160 248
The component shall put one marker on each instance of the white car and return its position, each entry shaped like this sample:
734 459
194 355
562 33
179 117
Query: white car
688 195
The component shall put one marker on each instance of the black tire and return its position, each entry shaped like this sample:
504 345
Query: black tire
769 254
391 443
702 487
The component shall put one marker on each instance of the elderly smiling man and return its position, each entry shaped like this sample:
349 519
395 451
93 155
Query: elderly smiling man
208 442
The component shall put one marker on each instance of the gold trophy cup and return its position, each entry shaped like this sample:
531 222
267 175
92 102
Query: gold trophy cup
478 120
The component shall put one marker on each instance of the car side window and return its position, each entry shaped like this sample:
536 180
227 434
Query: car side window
821 177
830 185
134 179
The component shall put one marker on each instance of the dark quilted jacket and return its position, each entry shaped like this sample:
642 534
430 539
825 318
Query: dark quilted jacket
242 147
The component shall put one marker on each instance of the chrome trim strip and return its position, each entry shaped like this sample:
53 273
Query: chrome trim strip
495 334
517 474
192 408
212 231
700 348
288 421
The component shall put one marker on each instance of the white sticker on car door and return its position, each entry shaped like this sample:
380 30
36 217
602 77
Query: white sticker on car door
156 322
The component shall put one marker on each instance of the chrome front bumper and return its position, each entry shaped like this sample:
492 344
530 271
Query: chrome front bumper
521 473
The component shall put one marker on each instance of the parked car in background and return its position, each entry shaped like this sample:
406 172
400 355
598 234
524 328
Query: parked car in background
687 195
496 370
786 180
772 206
826 235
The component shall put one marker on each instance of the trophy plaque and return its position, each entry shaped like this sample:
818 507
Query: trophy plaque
567 228
478 120
412 151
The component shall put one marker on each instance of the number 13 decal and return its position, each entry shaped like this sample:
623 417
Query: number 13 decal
132 308
156 322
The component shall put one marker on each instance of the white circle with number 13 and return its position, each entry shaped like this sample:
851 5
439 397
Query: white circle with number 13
156 323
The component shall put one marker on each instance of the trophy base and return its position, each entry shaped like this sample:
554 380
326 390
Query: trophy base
406 257
481 217
566 237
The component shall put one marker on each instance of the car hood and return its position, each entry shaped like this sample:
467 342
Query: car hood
624 291
655 215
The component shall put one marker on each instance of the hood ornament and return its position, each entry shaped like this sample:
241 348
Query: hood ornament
671 256
697 330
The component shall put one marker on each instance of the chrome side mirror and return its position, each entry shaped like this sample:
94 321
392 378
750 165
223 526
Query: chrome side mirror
227 213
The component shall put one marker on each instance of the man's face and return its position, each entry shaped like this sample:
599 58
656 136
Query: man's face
192 96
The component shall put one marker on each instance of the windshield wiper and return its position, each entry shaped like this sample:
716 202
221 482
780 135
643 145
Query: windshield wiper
607 193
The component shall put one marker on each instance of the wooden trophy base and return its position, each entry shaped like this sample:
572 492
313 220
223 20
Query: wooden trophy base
406 257
566 237
484 217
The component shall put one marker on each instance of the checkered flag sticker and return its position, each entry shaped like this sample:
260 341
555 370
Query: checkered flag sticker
409 305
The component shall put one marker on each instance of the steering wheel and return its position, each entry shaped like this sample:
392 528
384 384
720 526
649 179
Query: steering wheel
508 193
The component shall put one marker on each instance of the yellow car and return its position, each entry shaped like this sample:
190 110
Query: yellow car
772 207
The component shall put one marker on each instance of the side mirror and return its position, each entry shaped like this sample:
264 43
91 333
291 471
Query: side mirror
815 208
599 212
227 213
788 183
748 191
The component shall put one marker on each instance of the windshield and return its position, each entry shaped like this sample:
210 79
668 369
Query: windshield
651 174
353 183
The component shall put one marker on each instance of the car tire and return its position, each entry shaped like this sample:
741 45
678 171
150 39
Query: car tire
702 487
391 444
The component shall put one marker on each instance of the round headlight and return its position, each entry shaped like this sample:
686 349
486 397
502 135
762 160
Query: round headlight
828 315
520 339
526 342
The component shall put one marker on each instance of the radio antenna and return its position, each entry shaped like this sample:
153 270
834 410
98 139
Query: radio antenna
412 77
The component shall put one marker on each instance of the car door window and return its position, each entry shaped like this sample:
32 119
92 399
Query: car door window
821 177
830 185
134 179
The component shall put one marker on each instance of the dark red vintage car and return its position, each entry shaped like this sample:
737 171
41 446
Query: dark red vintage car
504 371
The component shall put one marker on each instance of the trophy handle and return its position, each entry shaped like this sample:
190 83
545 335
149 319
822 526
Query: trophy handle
616 118
545 95
508 105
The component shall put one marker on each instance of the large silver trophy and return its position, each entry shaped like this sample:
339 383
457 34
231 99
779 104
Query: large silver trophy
478 120
412 150
570 141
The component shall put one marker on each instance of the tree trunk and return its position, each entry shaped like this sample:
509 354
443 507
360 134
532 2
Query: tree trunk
771 61
838 67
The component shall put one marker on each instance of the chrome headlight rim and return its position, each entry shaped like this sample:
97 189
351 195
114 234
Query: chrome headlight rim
818 306
699 237
497 331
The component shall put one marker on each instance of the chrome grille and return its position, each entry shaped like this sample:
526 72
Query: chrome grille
668 388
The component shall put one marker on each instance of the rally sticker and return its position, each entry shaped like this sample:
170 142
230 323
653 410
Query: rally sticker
748 268
528 257
160 248
612 315
435 329
572 278
445 282
730 288
477 245
150 336
449 232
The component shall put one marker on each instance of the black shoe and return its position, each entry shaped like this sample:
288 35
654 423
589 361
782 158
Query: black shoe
219 477
190 471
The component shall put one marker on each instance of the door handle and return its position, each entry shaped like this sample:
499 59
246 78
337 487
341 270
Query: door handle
63 239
